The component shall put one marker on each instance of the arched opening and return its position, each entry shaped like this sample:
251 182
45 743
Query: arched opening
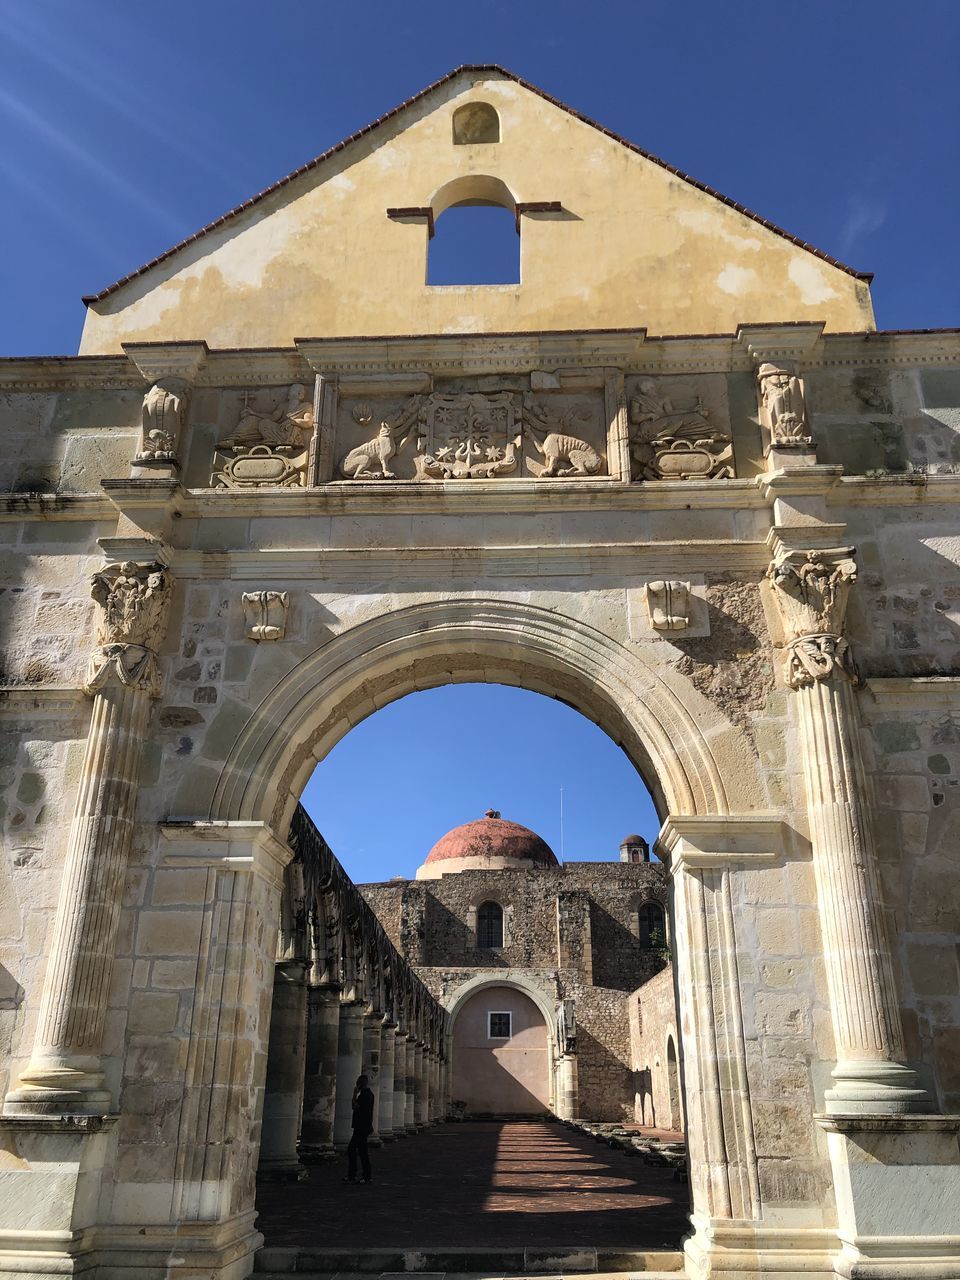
673 1085
651 925
476 237
490 926
475 123
500 1055
448 642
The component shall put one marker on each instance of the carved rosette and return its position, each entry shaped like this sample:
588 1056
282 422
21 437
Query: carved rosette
133 600
811 590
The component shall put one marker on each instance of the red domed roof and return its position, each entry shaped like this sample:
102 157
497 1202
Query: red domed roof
493 837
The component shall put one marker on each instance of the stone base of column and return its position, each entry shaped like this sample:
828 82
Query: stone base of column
897 1182
725 1249
58 1090
874 1089
316 1154
281 1171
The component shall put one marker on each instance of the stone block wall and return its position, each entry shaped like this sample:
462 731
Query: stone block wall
652 1013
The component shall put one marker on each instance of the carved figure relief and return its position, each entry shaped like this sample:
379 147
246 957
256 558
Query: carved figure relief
672 443
268 449
563 454
668 605
359 463
783 410
265 614
811 591
469 436
133 600
161 420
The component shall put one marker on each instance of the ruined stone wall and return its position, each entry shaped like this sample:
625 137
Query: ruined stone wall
652 1012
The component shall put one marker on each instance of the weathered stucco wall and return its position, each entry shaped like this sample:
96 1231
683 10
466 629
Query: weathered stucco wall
634 245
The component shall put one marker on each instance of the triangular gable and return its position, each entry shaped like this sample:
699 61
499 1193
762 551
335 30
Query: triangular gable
562 165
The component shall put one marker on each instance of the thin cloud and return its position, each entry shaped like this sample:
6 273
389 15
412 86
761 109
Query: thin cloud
864 216
57 139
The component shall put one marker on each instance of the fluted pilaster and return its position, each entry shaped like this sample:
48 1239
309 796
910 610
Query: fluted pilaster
64 1074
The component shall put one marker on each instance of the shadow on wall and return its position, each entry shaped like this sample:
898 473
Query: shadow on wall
605 1081
501 1094
620 960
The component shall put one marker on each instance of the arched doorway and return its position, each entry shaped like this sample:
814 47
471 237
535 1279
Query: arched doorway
500 1056
673 1085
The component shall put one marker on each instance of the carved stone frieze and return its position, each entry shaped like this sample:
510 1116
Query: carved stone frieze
669 442
378 451
811 590
783 409
162 416
668 605
563 453
268 449
469 436
134 600
265 614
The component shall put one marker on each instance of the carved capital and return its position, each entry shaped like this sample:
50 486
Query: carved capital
133 600
811 590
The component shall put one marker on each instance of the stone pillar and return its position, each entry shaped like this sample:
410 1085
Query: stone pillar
283 1098
349 1058
811 589
64 1074
410 1086
434 1110
320 1073
422 1096
370 1059
444 1088
567 1087
400 1085
388 1057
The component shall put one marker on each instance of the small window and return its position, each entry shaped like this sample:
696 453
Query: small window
474 244
651 928
499 1026
490 926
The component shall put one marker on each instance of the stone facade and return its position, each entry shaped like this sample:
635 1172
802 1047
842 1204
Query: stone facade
502 496
571 931
655 1053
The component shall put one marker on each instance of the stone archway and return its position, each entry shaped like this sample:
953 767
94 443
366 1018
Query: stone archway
516 1077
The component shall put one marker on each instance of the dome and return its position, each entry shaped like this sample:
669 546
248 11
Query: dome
491 843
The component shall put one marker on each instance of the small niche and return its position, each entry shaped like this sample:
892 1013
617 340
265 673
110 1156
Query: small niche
475 122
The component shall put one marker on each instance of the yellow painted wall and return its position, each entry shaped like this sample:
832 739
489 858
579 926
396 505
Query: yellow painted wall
636 246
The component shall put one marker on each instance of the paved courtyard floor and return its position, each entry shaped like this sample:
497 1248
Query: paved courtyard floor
483 1184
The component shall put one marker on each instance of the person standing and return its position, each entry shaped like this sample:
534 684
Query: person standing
362 1128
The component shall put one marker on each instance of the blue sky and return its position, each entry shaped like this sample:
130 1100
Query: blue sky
125 127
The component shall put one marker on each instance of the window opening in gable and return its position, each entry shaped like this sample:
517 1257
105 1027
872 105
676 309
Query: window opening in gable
490 926
474 244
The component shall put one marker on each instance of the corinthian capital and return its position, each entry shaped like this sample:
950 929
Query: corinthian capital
133 600
811 590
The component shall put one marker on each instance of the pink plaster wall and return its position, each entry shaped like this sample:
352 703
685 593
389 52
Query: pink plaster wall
503 1076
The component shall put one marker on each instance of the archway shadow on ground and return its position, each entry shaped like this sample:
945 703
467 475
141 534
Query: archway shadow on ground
485 1184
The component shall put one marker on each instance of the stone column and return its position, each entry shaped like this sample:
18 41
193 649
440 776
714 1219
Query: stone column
64 1074
320 1073
419 1088
400 1085
349 1058
283 1098
370 1059
433 1081
410 1086
388 1057
811 589
567 1087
